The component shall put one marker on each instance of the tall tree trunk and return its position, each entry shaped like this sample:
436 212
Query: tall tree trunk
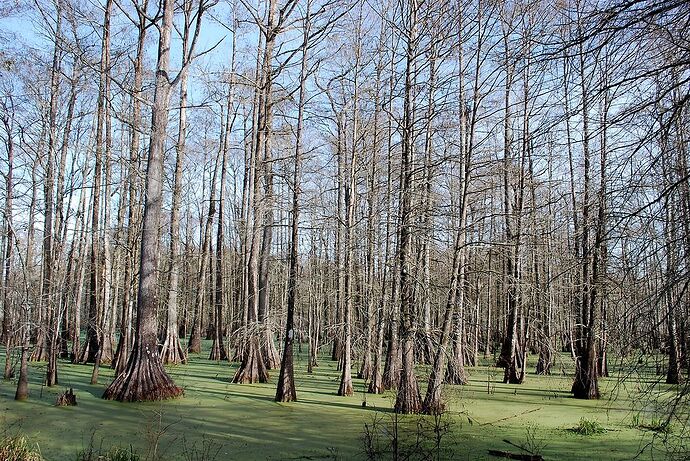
350 201
425 341
125 342
377 322
49 307
60 218
673 293
8 321
93 344
408 399
172 351
268 347
144 378
194 343
586 384
392 365
218 351
258 340
512 208
286 391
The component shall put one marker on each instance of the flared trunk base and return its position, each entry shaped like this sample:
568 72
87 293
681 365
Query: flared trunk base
144 379
252 369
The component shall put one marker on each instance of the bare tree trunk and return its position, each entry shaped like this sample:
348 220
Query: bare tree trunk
23 381
456 291
377 322
218 351
172 351
673 293
106 325
82 250
93 344
268 347
432 401
392 365
367 369
339 330
586 385
602 359
350 201
125 341
194 343
253 367
512 208
8 321
48 349
144 378
425 340
546 345
60 218
408 399
286 391
455 373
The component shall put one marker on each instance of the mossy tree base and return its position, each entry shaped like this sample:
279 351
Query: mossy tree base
194 343
376 383
408 400
144 379
252 369
391 370
586 386
172 352
218 352
269 351
455 373
345 389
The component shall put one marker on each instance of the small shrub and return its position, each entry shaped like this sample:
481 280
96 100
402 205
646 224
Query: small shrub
204 450
636 420
408 437
661 426
588 427
16 448
534 443
112 454
121 454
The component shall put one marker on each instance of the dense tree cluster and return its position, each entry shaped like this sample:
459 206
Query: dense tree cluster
398 182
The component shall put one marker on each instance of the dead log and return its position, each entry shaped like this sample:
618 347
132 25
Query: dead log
509 455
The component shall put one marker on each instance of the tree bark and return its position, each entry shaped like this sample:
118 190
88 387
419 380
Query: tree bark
172 351
144 378
586 384
286 391
125 341
92 344
6 334
408 399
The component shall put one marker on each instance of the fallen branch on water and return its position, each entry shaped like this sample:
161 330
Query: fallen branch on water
509 455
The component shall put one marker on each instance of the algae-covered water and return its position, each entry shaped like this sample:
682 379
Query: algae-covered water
232 421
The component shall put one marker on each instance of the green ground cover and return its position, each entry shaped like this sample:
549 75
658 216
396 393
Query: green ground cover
236 421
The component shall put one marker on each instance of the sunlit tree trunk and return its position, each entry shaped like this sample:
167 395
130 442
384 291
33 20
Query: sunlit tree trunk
286 391
172 351
8 319
408 399
47 345
92 345
125 340
144 377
